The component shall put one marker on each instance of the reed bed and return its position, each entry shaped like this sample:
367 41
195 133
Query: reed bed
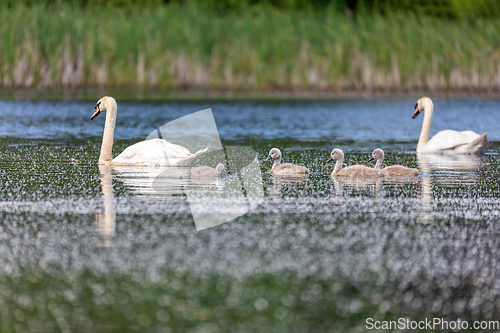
173 46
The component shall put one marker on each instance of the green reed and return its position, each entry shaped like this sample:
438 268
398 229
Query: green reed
173 46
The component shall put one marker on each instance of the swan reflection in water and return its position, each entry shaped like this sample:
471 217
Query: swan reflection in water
289 181
440 162
447 171
425 216
425 204
106 221
371 184
155 182
212 199
453 170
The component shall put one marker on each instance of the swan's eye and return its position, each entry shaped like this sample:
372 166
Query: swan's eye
97 106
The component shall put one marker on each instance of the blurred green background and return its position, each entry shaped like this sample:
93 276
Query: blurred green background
440 8
267 45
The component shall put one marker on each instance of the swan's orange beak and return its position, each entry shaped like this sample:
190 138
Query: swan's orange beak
96 113
417 111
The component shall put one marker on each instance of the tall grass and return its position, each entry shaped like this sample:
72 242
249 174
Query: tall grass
173 46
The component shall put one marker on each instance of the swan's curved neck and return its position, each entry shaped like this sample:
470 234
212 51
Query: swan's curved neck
426 127
378 165
108 136
338 166
276 162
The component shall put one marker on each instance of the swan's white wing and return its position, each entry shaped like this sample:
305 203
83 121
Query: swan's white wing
174 150
448 140
477 146
154 152
471 135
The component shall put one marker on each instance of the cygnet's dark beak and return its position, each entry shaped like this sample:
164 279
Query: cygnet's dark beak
417 111
268 158
371 159
329 160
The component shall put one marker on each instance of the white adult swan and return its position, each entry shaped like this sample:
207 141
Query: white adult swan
285 169
393 170
447 141
150 152
360 171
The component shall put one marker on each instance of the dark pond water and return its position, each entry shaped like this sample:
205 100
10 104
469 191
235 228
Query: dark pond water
105 249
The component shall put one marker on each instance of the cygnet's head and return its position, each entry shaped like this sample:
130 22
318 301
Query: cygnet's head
336 155
377 154
220 168
104 104
421 105
274 154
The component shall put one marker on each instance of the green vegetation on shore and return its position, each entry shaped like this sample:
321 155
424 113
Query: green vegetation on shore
196 46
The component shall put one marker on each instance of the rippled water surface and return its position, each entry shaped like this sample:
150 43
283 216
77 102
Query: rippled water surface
90 249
